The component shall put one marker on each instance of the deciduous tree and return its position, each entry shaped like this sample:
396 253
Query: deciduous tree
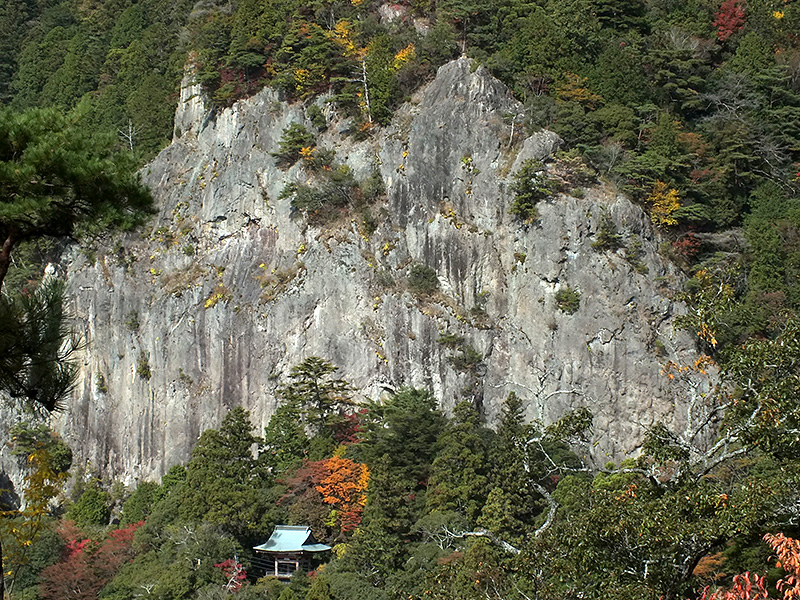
87 566
43 483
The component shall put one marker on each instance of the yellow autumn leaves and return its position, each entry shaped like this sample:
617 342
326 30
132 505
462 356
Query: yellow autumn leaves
664 203
342 33
405 55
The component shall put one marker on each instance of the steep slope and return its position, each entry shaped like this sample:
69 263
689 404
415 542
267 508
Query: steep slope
230 289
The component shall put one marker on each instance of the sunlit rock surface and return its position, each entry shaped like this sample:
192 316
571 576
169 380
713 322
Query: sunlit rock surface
227 289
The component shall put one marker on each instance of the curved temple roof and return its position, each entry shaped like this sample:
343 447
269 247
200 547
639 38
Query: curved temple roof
290 538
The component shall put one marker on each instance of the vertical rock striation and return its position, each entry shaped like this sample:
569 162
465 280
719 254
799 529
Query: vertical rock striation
228 288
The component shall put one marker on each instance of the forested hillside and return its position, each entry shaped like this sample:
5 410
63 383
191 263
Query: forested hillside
690 107
419 506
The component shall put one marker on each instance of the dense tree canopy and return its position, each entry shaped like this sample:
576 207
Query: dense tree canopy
422 506
692 107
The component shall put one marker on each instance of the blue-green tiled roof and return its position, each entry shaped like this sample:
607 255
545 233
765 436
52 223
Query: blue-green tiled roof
291 538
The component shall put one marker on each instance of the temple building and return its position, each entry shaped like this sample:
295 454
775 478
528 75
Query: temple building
289 549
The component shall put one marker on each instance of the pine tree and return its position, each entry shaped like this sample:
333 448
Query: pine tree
322 397
54 179
36 346
459 479
285 440
225 483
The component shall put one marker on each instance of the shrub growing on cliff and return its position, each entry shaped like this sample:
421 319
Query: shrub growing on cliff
530 185
335 191
608 237
143 366
321 202
568 300
422 280
294 140
317 117
467 359
634 254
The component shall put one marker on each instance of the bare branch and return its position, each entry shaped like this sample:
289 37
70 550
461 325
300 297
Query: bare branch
551 513
486 534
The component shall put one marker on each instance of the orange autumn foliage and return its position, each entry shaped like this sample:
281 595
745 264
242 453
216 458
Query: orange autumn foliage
788 551
343 483
709 567
746 586
750 586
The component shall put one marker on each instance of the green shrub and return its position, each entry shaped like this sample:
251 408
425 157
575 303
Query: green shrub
568 300
143 366
530 185
100 383
608 238
369 224
634 253
422 280
334 190
293 139
373 187
93 508
317 117
132 321
468 359
384 279
451 340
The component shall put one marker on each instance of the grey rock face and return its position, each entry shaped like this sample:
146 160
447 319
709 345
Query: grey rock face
228 289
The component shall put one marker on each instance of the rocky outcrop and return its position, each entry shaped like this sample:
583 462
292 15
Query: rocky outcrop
228 288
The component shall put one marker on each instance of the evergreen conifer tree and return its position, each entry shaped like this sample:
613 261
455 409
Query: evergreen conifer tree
511 506
459 479
225 483
322 397
285 440
55 179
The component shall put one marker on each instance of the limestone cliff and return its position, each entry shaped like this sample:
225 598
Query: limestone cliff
227 289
